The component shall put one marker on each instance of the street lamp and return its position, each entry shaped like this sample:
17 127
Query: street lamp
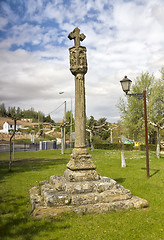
126 84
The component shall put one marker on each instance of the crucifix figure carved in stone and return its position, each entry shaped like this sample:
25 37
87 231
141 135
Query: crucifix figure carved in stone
76 36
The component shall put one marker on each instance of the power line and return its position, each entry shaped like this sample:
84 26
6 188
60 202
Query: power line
57 108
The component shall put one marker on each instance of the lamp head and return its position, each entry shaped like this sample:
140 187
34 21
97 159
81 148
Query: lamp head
126 84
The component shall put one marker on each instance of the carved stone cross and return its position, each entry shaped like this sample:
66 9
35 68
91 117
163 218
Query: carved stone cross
76 36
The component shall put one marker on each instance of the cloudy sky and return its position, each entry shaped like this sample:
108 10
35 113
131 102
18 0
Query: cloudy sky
123 37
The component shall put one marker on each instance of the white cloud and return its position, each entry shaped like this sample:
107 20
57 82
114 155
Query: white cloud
3 23
122 38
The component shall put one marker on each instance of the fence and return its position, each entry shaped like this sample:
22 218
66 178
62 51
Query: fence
24 147
19 147
45 145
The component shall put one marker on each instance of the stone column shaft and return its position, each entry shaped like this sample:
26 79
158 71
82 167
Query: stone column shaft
80 115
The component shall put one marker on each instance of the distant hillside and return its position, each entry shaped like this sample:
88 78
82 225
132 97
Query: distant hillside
26 114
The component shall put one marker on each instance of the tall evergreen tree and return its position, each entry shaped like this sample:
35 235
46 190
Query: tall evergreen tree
2 110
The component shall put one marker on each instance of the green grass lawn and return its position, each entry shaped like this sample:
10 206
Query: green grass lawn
31 167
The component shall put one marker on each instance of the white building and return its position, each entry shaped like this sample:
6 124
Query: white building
9 125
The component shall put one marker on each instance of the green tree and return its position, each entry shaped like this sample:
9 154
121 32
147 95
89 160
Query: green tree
156 108
102 129
96 130
91 122
14 113
132 110
2 110
156 103
68 121
48 119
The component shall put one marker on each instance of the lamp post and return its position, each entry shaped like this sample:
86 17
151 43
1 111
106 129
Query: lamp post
126 84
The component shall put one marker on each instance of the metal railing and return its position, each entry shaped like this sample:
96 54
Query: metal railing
24 147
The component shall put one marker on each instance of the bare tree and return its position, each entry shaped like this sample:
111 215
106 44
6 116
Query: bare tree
14 114
91 131
159 128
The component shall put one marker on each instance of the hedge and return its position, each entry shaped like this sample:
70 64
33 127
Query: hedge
113 146
152 147
121 146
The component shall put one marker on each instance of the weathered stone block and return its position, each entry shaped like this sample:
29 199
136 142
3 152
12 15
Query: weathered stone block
35 198
43 212
44 182
104 184
139 202
83 199
120 205
44 188
81 162
111 196
79 187
58 182
53 198
81 175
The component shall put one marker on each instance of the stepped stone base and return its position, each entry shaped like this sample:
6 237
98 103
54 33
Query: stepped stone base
59 195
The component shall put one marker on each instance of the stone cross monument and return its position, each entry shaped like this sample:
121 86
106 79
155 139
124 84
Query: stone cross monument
80 166
80 189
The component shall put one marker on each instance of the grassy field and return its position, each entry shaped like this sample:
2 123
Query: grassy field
29 168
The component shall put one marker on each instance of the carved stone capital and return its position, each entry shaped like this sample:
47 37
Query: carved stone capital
78 60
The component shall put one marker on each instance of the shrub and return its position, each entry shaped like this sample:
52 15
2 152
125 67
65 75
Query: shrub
128 146
113 146
97 139
152 147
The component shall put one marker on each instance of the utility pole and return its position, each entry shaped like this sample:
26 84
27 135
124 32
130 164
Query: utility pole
64 139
